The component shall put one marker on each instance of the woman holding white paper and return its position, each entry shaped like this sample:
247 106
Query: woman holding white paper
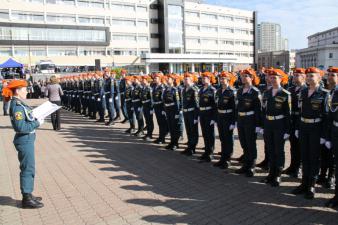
54 93
24 125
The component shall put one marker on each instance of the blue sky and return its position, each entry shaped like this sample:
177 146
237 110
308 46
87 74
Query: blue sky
298 18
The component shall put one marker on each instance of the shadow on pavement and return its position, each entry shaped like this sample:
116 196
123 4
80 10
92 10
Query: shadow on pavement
197 192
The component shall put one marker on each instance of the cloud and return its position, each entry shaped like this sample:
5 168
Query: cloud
298 18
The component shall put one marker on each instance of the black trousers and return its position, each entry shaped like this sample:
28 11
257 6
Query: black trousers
123 105
191 129
334 140
174 124
247 138
161 121
55 117
208 131
309 136
130 111
294 147
225 135
274 141
148 116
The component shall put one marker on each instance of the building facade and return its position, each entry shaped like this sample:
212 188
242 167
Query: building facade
144 35
284 60
322 50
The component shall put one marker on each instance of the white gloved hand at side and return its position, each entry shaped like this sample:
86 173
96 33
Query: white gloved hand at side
297 133
286 136
328 144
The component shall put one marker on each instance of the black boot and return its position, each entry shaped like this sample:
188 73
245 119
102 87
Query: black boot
333 202
242 170
310 192
28 202
301 189
277 178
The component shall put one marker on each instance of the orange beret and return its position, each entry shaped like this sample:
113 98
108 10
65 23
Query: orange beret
7 92
193 77
210 76
333 70
129 78
255 78
279 72
232 78
314 70
299 70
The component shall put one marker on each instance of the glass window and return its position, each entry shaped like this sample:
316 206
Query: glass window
122 7
142 23
27 16
61 52
4 15
192 27
141 9
38 52
208 16
192 14
84 20
128 23
226 30
208 29
21 51
122 37
58 18
61 2
193 41
143 38
97 4
5 51
175 28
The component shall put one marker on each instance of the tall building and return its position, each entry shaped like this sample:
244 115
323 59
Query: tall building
322 50
269 37
284 44
284 60
147 35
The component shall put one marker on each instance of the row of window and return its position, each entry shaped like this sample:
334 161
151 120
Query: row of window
223 42
94 4
220 29
131 38
57 51
51 34
209 16
222 53
66 18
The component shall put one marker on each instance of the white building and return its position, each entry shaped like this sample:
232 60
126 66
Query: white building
322 50
269 37
141 34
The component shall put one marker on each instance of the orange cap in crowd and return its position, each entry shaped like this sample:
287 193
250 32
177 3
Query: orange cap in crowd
252 73
333 70
314 70
279 72
299 70
210 76
231 77
193 77
8 91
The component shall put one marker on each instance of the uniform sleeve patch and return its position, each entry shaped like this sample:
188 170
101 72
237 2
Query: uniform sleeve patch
18 116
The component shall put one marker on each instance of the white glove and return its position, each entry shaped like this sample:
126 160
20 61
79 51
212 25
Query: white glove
297 133
151 112
110 100
212 122
322 141
163 113
286 136
261 131
41 121
138 109
177 116
195 121
232 127
258 129
99 99
117 98
328 144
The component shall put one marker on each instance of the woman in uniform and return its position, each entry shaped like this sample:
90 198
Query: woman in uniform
24 124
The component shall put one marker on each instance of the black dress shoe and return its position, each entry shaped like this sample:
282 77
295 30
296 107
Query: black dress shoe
139 133
240 159
169 146
28 202
250 172
329 183
301 189
218 164
159 141
310 193
100 121
242 170
147 138
37 198
124 121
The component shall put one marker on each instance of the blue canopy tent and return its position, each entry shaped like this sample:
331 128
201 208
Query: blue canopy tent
11 63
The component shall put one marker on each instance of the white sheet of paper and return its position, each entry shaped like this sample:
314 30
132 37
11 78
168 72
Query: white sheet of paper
44 110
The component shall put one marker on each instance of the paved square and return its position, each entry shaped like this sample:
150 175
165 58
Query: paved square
91 174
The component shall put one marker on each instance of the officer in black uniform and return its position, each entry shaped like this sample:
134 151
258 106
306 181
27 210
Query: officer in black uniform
298 85
86 93
129 104
109 90
158 89
327 167
248 120
100 97
207 115
92 100
276 106
122 90
332 142
226 119
190 112
137 105
311 130
173 113
147 105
